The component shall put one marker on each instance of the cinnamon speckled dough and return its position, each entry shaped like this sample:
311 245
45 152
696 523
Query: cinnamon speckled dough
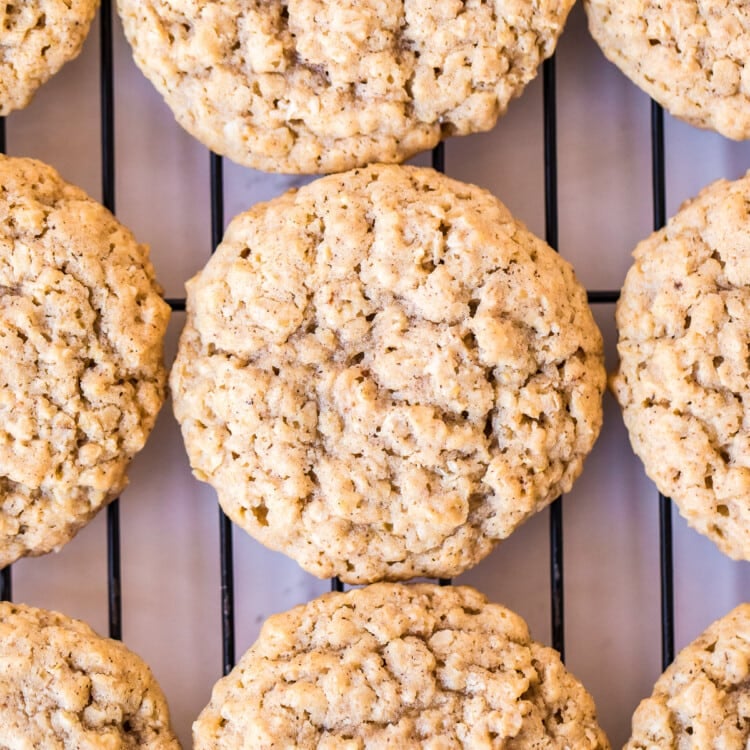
37 37
321 86
63 687
702 700
684 375
82 377
393 666
383 374
692 56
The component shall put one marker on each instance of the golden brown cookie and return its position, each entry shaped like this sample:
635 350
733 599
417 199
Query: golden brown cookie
63 686
320 86
701 701
383 374
82 376
684 375
692 56
393 666
37 37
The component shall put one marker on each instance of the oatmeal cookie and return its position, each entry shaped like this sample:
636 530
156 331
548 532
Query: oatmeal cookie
684 375
389 666
37 37
82 379
702 700
321 86
692 56
63 686
383 374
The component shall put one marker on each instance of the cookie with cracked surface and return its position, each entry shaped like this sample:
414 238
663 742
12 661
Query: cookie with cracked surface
37 37
701 701
317 86
64 686
692 57
389 665
81 330
684 375
383 374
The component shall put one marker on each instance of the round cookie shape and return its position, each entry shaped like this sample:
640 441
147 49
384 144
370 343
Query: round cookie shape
389 665
383 374
701 700
62 685
692 57
82 380
37 37
684 375
314 86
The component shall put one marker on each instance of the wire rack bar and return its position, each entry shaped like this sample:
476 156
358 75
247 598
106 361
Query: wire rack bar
658 180
114 579
6 585
107 107
107 104
226 542
659 193
667 581
227 593
557 583
438 157
603 296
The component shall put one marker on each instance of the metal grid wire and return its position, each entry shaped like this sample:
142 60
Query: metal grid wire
227 601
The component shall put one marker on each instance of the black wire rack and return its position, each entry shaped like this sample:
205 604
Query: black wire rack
227 596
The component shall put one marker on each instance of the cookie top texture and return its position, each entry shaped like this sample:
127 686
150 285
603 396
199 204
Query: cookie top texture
37 37
384 373
388 666
692 57
63 687
684 375
82 379
701 701
312 86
